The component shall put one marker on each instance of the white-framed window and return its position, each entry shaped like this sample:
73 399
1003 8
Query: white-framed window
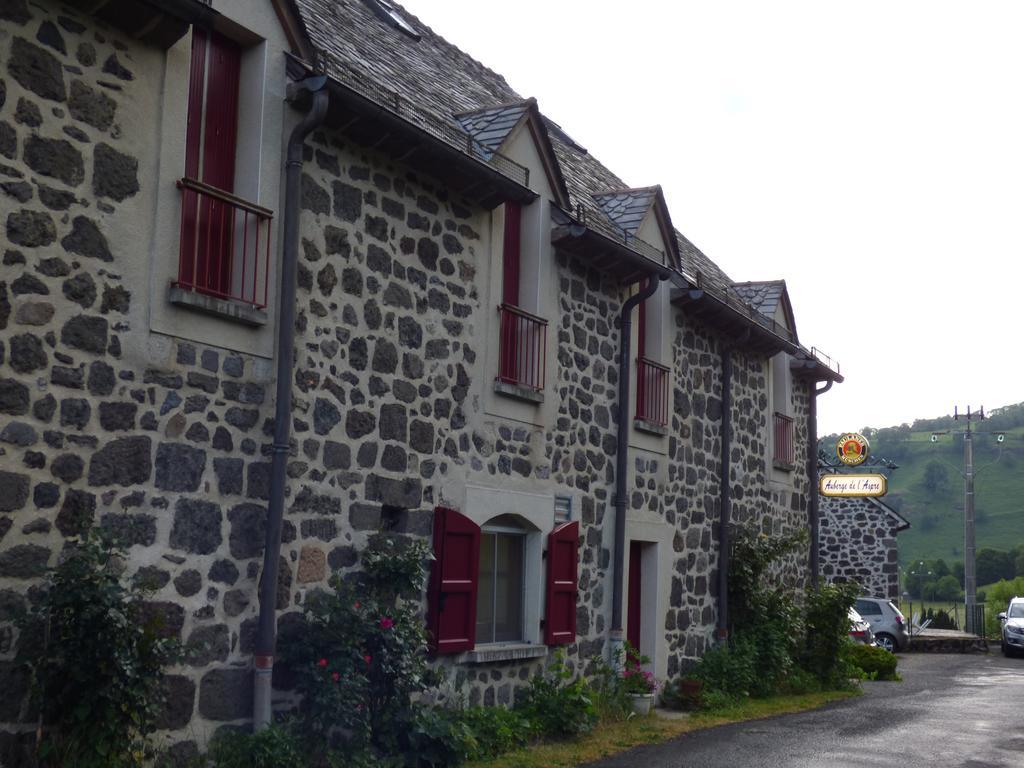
502 581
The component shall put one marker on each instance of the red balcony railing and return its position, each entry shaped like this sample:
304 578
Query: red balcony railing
225 244
784 454
523 346
651 392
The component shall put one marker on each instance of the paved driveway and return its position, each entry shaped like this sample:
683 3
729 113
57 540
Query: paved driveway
953 711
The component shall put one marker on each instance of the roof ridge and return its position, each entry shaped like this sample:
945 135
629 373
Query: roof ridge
620 190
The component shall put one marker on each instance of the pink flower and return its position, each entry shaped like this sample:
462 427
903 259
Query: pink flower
356 606
367 658
322 663
335 676
386 623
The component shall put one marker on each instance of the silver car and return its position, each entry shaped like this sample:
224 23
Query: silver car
1013 627
888 624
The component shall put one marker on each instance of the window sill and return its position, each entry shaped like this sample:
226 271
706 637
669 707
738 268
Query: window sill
518 392
784 466
649 426
502 652
227 309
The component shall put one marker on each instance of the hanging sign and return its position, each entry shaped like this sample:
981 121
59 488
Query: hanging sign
852 449
853 486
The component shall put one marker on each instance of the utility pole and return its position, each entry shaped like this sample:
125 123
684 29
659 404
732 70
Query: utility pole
970 583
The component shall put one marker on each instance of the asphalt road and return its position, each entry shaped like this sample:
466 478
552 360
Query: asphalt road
950 711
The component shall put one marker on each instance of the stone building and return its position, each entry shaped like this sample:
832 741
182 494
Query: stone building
463 266
858 543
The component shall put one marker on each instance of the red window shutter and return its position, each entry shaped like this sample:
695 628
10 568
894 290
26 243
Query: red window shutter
221 119
563 562
510 254
208 228
196 99
451 612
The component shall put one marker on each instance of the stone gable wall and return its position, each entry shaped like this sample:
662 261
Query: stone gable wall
858 543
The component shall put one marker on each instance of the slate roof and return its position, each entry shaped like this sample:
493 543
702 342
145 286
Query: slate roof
444 81
491 126
627 208
762 296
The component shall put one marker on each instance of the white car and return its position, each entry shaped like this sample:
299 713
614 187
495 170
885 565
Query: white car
1013 627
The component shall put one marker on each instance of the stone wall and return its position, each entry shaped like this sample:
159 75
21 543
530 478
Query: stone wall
167 441
692 498
163 441
858 543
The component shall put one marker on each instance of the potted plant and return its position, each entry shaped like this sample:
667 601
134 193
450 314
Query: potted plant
638 683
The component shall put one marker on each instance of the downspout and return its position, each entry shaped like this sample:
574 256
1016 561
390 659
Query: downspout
812 476
726 500
263 661
622 462
724 541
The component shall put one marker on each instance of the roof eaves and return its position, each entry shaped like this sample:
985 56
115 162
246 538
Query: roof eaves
369 101
716 308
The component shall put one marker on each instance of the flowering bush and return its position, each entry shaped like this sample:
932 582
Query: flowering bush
635 679
363 654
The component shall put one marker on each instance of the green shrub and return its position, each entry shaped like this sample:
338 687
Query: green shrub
608 691
828 633
440 737
497 730
272 747
97 667
730 669
556 704
875 663
766 622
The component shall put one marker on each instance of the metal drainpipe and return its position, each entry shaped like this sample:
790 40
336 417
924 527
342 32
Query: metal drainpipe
622 461
724 541
263 661
812 476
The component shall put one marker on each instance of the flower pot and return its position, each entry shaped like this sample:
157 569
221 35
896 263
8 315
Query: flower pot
641 702
689 691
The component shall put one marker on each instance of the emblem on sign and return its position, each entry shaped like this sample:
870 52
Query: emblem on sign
852 449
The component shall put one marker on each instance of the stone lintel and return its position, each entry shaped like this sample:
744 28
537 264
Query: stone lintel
237 311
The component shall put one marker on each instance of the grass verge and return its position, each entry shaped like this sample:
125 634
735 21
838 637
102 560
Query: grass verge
611 738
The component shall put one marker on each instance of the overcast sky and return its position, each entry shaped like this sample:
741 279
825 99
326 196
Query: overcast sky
871 153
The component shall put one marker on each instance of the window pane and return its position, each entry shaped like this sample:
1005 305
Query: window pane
508 614
485 591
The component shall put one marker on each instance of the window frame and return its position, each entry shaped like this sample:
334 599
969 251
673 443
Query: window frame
490 529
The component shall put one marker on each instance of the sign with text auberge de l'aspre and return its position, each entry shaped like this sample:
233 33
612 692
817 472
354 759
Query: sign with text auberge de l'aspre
852 449
853 485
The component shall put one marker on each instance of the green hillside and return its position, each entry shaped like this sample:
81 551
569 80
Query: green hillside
928 489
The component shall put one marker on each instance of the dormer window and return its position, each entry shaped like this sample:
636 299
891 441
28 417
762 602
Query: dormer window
391 15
